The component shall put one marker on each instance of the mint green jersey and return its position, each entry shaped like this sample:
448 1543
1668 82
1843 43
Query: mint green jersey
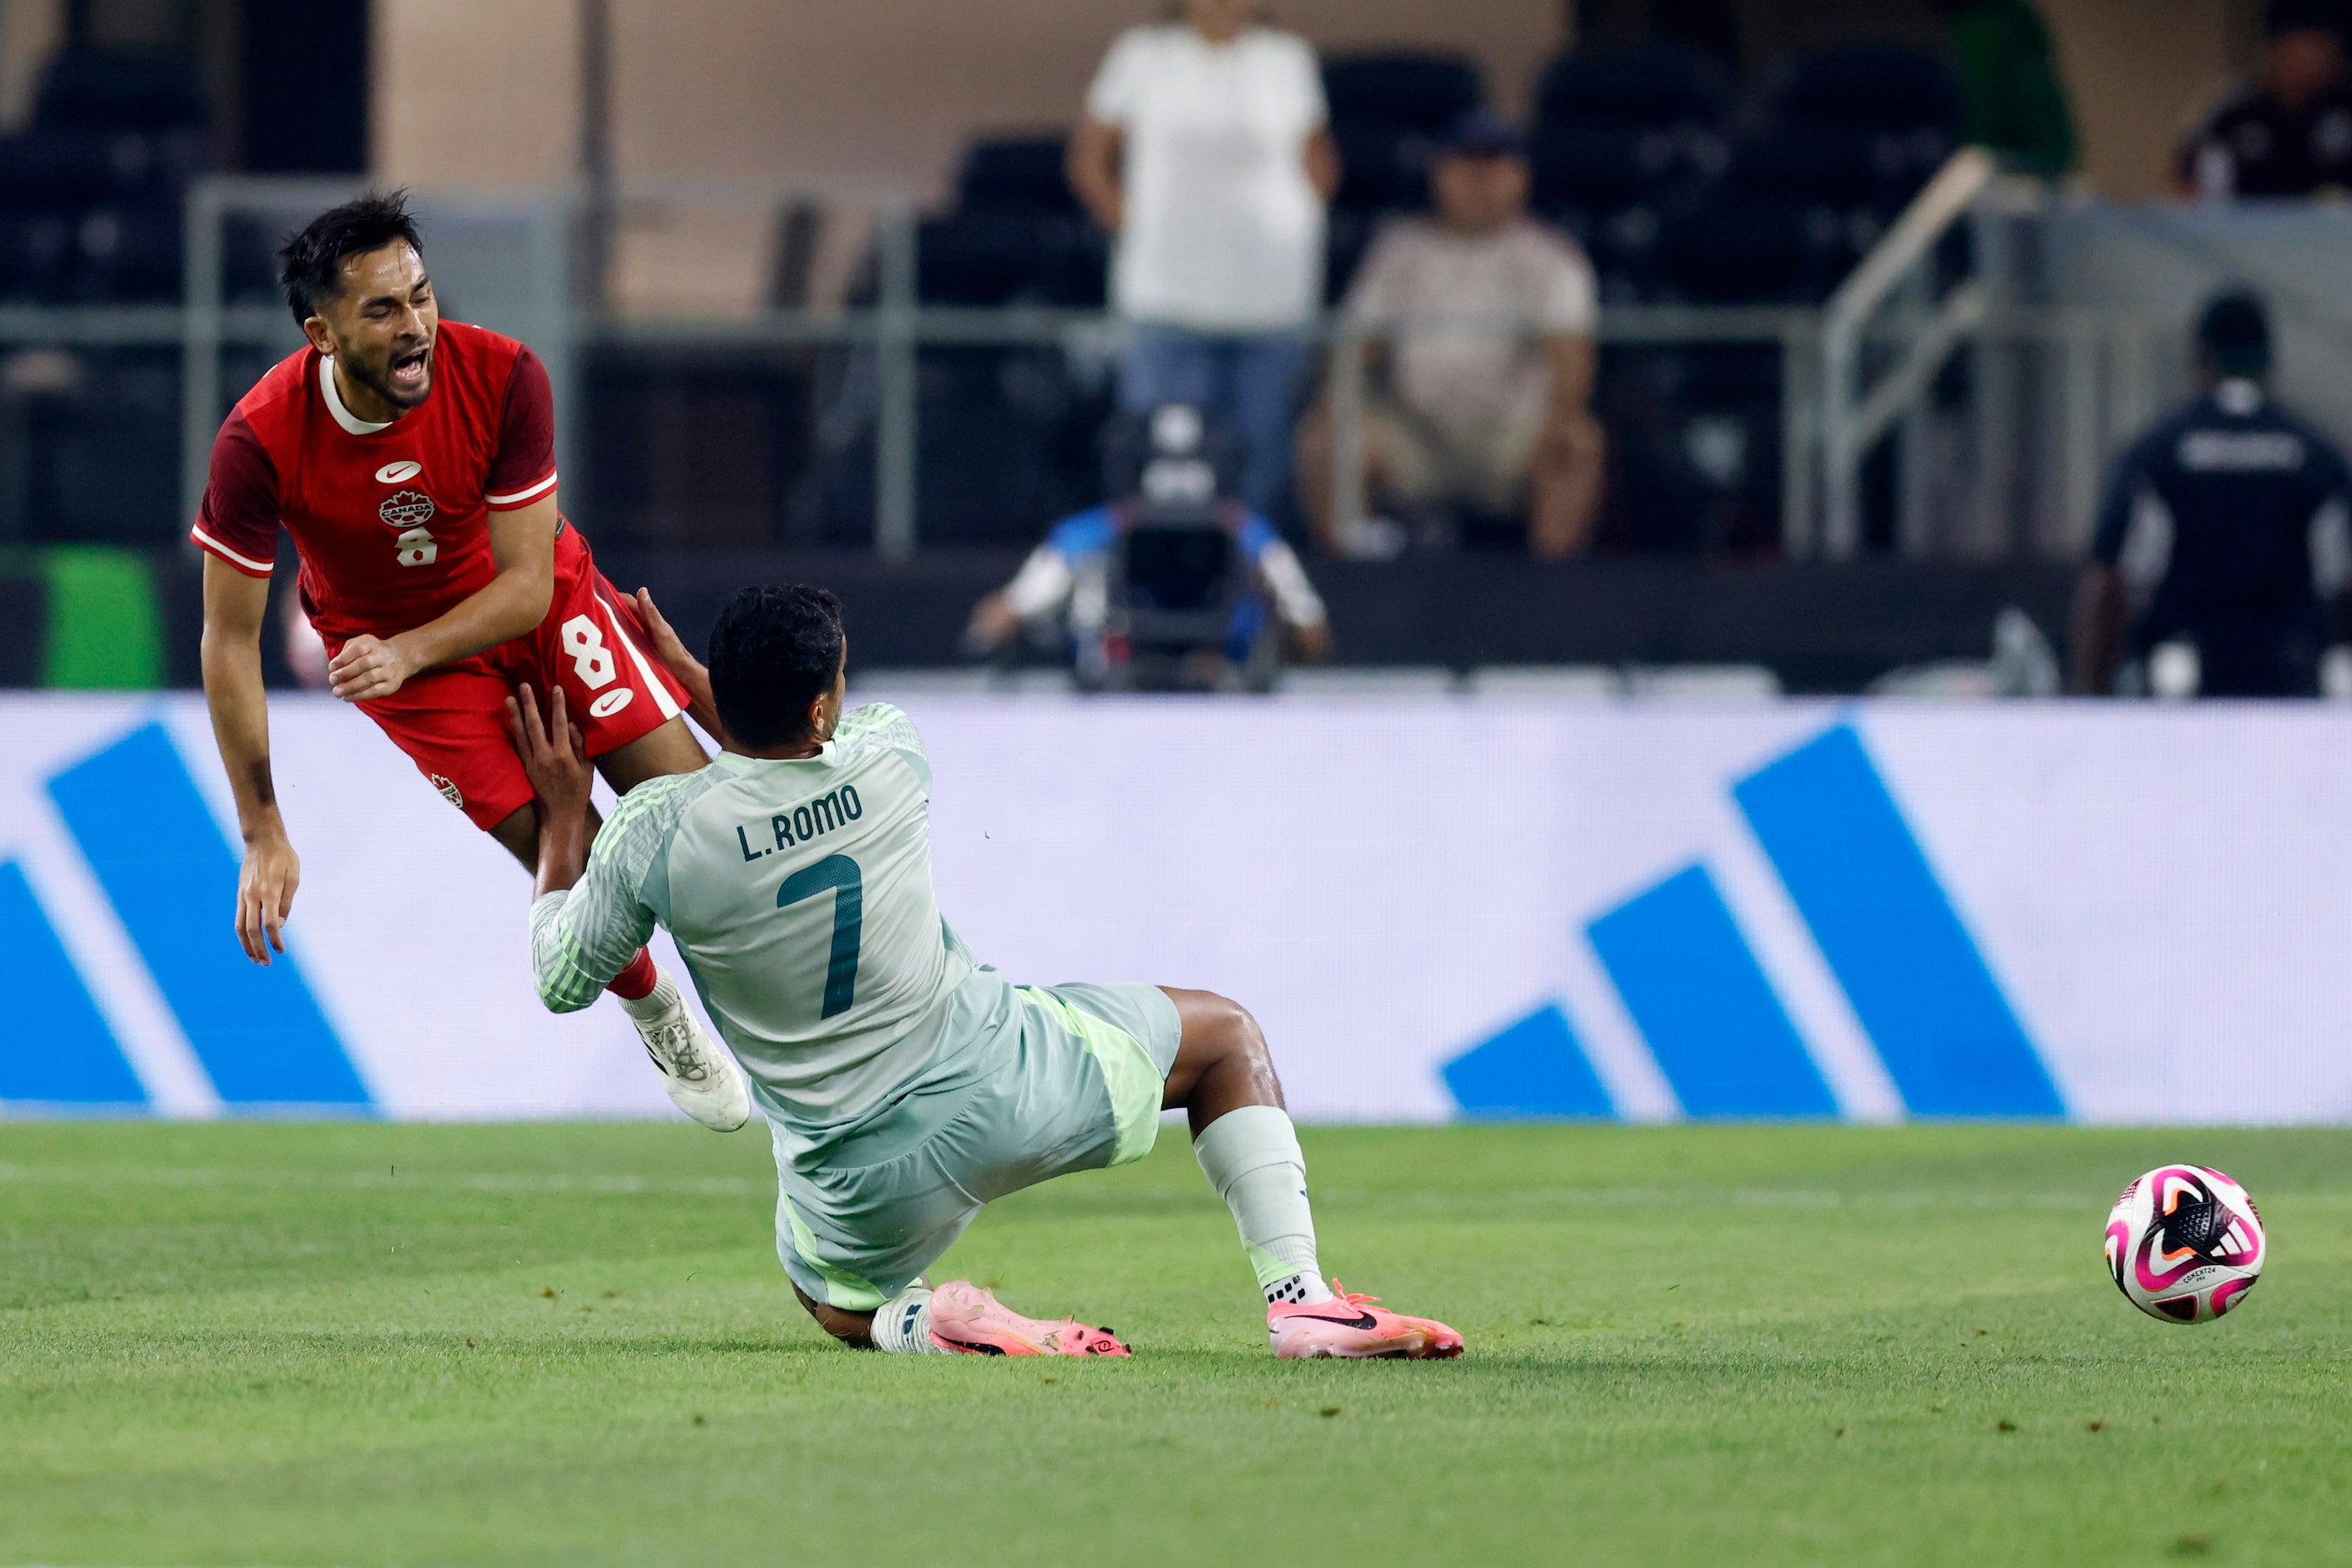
799 893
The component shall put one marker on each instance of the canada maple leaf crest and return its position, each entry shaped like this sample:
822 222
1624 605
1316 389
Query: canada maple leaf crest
406 509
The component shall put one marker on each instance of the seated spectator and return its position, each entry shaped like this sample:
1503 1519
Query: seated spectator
2291 133
2012 92
1482 352
2225 528
1183 478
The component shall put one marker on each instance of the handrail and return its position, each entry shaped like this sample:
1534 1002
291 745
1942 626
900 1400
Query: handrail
1947 199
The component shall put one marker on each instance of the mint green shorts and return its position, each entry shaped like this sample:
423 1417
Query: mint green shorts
1033 1082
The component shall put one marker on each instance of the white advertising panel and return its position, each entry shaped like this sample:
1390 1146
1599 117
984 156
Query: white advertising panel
1438 908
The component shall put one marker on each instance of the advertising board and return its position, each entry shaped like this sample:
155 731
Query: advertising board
1437 907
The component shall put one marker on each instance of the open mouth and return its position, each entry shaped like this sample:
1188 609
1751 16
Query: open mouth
411 371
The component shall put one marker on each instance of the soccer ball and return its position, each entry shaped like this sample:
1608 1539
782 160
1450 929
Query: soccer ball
2185 1244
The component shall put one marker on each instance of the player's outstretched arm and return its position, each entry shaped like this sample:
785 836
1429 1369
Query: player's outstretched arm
587 920
237 606
556 758
523 542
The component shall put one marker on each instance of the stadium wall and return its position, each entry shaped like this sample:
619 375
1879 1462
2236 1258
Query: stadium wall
485 96
1441 908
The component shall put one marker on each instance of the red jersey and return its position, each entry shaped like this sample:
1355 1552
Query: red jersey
392 520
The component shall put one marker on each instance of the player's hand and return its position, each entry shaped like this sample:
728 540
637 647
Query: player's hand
668 647
369 667
264 893
554 754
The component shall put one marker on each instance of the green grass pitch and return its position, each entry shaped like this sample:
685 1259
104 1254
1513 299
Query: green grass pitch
572 1345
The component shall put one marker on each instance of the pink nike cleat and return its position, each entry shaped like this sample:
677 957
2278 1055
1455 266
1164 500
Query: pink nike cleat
968 1321
1351 1326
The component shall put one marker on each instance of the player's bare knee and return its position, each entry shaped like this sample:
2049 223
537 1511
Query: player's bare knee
1245 1039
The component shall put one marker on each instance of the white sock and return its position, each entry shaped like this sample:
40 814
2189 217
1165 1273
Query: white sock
903 1326
654 1003
1251 1156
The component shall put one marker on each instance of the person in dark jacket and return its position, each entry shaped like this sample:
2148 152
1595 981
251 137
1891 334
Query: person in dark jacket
2225 541
2288 135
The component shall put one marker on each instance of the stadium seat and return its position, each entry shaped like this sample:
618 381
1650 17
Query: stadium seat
110 89
1739 249
994 257
130 254
1008 443
1597 166
104 455
1021 173
73 168
1425 91
1865 87
90 191
1622 143
1387 111
1383 166
1657 87
37 254
1811 161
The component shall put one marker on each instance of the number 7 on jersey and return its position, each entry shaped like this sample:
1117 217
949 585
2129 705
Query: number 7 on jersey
837 874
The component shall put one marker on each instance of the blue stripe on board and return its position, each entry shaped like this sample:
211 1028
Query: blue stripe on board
172 877
1915 978
1719 1033
60 1051
1534 1070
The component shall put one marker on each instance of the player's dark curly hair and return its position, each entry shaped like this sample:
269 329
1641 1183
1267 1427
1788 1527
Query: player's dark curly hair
310 264
774 651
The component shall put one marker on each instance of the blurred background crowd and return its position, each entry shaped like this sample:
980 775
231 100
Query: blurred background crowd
1937 346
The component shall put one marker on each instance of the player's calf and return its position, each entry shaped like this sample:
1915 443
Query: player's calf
1224 1080
855 1330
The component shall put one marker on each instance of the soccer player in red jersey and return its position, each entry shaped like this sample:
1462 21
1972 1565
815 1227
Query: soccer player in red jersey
412 460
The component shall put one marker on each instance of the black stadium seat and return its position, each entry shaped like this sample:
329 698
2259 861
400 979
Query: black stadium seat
1015 173
1599 166
1383 166
1425 91
1661 87
1735 248
1832 163
132 252
998 258
37 254
107 90
1388 110
1866 87
69 168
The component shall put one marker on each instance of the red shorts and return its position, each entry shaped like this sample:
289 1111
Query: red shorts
452 719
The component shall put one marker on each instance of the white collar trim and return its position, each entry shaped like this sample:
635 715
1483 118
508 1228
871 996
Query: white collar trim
343 417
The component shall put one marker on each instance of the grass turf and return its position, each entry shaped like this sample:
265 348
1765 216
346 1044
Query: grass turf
372 1344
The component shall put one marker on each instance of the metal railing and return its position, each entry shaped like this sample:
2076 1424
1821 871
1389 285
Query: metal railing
1854 374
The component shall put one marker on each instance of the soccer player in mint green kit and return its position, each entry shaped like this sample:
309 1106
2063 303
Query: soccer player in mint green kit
904 1083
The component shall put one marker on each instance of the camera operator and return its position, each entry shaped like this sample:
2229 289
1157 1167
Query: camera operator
1174 584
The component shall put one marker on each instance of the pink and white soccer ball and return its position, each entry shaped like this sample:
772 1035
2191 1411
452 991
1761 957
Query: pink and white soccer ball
2185 1244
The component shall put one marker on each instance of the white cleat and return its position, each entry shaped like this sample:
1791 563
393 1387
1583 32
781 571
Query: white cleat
701 1078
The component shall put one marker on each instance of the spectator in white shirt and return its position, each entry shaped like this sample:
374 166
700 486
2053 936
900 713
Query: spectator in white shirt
1204 149
1481 360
